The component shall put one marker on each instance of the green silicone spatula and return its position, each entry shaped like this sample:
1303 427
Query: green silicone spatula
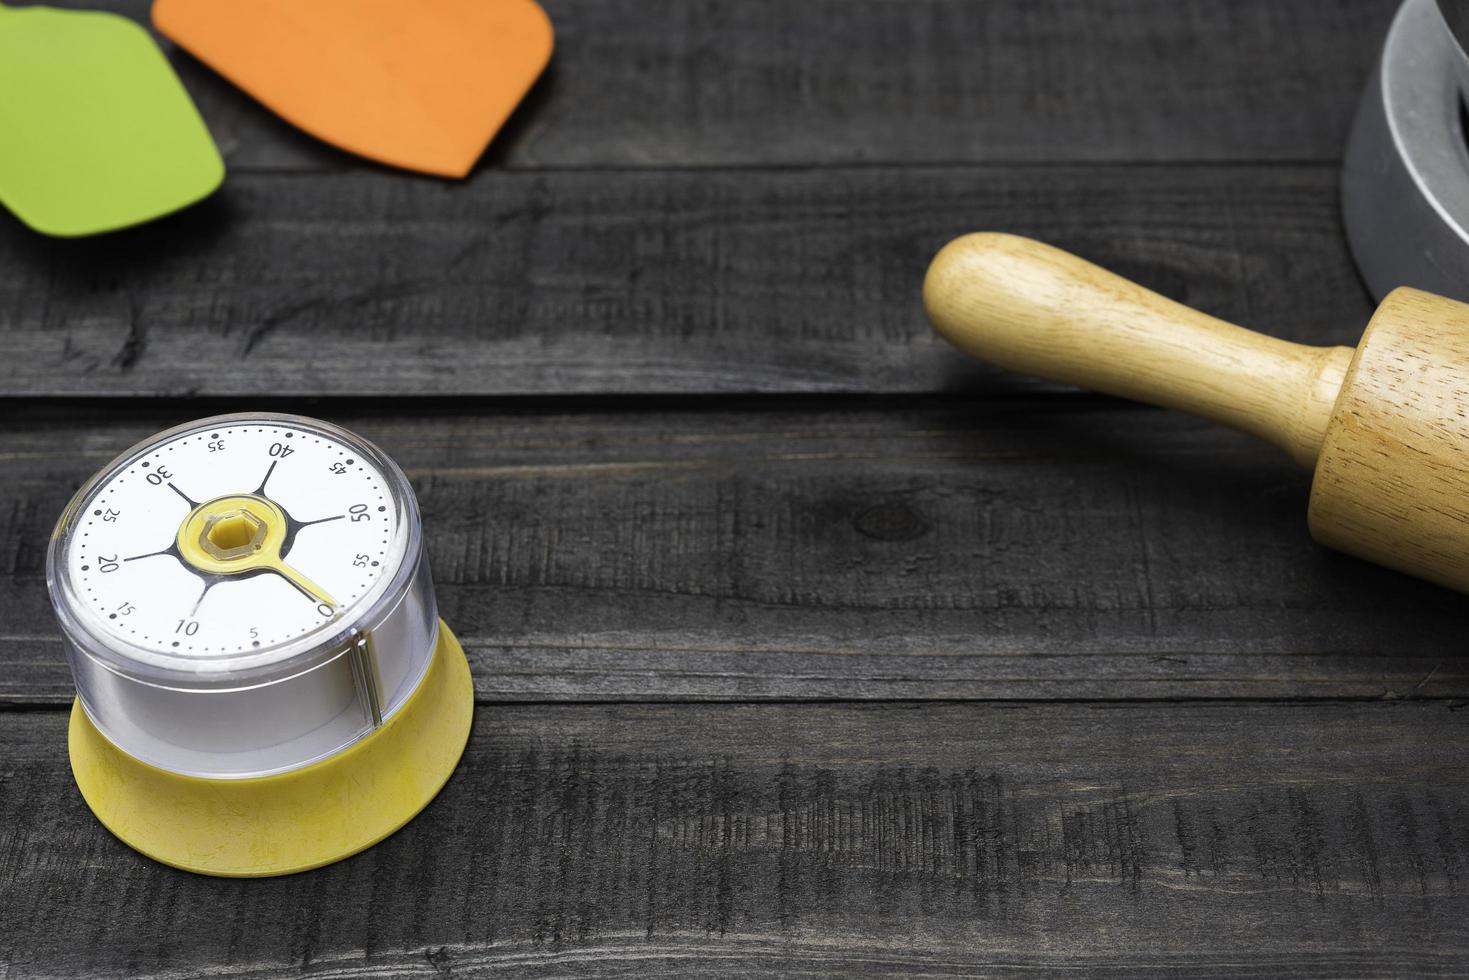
96 132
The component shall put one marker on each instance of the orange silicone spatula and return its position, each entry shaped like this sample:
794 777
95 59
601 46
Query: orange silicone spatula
419 84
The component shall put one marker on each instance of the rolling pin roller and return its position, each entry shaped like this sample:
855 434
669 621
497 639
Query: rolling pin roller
1385 426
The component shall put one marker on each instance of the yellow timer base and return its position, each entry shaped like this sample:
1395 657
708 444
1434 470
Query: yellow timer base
292 821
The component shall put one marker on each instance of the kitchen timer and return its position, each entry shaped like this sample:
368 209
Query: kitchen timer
263 682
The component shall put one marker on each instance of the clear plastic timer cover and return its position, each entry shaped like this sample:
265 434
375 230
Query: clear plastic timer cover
243 595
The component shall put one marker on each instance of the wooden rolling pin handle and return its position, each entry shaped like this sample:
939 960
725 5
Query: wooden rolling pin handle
1035 309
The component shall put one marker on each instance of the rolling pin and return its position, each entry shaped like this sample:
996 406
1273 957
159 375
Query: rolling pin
1385 427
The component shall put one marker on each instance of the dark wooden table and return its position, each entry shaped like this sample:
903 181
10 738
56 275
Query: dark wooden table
802 645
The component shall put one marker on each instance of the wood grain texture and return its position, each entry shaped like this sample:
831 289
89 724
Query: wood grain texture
1392 484
640 83
1100 840
1037 309
740 196
1024 549
1387 420
689 282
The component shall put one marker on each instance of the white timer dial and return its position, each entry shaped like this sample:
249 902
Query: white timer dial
137 584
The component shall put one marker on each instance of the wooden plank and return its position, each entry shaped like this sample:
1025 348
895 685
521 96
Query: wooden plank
639 83
1211 840
1027 549
690 282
